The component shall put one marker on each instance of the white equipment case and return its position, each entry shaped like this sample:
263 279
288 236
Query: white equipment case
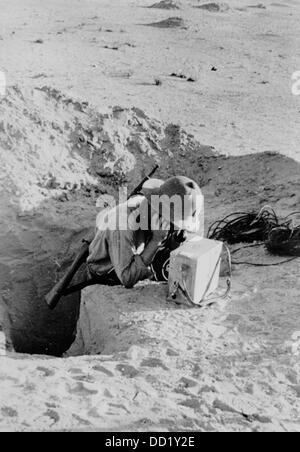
195 268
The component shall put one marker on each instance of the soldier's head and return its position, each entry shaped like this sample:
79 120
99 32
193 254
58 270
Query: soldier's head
178 201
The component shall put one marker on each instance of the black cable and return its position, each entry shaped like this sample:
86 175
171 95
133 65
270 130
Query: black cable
244 227
279 237
293 214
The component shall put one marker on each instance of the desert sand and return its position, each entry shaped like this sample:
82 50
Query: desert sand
97 93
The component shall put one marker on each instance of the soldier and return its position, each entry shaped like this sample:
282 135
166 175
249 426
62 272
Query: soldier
129 235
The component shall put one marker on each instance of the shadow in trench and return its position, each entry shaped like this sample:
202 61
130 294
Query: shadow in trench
36 249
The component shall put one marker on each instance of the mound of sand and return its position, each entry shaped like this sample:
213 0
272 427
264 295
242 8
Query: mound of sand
50 143
171 22
165 4
214 7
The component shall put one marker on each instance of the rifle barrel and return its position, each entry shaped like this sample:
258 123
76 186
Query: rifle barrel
140 186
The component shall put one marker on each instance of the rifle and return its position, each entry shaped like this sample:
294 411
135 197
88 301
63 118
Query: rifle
53 297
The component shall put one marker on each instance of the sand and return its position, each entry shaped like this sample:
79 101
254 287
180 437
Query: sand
82 72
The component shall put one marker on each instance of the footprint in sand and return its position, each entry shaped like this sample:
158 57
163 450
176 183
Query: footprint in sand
80 390
82 421
53 415
188 383
192 403
103 369
94 413
46 372
119 407
127 371
171 352
108 394
84 378
153 362
75 370
7 411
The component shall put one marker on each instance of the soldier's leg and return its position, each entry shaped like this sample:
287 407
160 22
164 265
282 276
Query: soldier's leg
87 276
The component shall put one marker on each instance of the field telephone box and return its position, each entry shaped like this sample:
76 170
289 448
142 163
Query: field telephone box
195 269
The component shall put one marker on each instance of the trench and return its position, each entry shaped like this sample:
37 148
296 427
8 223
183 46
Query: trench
38 243
57 155
36 252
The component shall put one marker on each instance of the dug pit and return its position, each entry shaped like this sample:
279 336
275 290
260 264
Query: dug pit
58 156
